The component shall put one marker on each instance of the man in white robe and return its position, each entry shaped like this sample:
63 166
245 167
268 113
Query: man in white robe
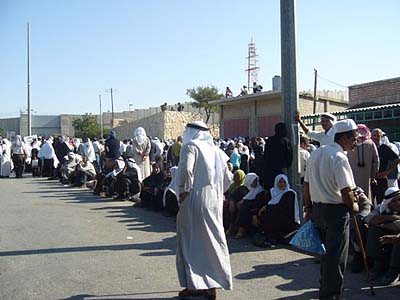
202 257
323 137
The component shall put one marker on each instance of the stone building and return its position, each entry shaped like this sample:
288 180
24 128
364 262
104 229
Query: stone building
164 125
256 114
62 124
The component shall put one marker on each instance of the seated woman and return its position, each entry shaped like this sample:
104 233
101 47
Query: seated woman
233 196
85 172
108 183
249 207
68 168
151 187
281 215
128 183
170 201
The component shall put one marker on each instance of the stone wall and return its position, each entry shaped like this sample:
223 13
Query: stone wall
165 125
137 114
379 92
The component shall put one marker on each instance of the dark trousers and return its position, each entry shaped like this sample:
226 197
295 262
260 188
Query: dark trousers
19 164
332 221
48 168
385 255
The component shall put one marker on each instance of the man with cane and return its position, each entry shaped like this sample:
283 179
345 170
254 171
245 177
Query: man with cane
329 199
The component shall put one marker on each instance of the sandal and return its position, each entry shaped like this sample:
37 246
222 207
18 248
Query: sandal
191 293
211 294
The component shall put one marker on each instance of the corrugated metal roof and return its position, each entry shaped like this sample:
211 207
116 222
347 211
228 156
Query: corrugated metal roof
371 108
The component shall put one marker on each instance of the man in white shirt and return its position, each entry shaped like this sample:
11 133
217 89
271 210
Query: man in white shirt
323 137
329 198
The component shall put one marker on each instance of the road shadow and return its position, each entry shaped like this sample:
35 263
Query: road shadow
167 247
133 296
134 218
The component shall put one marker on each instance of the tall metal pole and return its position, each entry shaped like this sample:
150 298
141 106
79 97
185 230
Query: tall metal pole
289 86
101 119
112 109
29 86
315 95
248 68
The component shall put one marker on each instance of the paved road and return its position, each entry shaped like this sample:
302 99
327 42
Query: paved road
64 243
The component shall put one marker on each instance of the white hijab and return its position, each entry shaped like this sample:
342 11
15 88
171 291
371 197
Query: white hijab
18 146
47 152
88 150
172 185
140 135
390 193
253 191
277 194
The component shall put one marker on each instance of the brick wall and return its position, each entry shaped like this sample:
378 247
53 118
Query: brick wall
381 92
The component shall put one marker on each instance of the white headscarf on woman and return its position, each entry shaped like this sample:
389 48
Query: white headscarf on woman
198 133
88 150
140 135
47 152
277 194
18 146
253 191
172 185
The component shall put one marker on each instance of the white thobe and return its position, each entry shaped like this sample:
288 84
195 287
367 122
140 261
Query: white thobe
202 257
324 138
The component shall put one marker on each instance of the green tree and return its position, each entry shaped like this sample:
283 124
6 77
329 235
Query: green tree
202 95
87 127
1 131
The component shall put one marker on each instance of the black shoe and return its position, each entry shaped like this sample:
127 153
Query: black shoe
391 277
357 265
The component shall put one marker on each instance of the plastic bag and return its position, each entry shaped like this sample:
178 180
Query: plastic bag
307 239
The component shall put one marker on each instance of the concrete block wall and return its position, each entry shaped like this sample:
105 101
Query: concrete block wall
306 106
381 92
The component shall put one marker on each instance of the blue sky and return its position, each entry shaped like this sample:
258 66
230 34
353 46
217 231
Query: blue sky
152 51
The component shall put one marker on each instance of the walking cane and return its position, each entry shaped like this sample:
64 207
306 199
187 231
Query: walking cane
364 256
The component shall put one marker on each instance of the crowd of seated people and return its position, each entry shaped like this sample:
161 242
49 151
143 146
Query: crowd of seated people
251 208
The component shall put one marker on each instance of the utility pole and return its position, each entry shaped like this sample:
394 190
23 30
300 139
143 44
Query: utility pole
29 86
289 86
315 96
101 118
112 106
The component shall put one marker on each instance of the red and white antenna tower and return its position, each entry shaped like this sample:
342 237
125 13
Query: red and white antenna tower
252 69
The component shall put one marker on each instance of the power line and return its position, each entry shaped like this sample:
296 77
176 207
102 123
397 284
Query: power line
338 84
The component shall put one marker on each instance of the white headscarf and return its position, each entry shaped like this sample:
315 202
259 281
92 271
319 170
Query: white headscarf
277 194
140 135
253 191
47 152
390 193
18 146
88 150
172 185
385 141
